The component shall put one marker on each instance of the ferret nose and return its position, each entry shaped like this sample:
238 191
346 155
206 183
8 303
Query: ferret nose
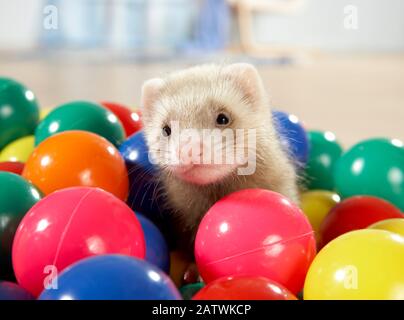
191 153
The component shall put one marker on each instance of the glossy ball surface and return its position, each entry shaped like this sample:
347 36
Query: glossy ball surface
293 136
373 167
77 158
244 288
17 196
81 115
18 150
70 225
360 265
324 153
130 119
19 111
255 232
356 213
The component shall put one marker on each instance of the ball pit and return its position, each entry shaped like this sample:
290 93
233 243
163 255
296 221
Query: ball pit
373 167
252 244
19 111
81 115
131 120
18 150
277 242
360 265
70 225
244 288
293 136
356 213
52 167
112 277
17 196
324 153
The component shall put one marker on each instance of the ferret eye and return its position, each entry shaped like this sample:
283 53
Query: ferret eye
166 131
222 119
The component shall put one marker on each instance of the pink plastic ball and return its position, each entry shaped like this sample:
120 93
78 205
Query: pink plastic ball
255 232
69 225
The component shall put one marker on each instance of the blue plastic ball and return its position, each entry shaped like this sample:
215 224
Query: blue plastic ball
157 252
112 277
12 291
293 136
143 187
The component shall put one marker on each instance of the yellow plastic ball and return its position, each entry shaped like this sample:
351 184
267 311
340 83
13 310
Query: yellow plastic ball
316 204
18 150
363 264
393 225
44 112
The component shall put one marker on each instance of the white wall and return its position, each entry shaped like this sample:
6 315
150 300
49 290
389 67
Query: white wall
19 23
320 23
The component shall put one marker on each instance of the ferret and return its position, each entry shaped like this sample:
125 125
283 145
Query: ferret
216 97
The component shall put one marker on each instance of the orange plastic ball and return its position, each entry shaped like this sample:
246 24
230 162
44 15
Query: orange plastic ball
77 158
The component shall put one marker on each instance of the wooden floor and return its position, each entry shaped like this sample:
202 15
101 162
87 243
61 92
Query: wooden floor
356 97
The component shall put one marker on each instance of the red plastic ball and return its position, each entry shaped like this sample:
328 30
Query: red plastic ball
12 166
131 120
244 288
69 225
255 232
355 213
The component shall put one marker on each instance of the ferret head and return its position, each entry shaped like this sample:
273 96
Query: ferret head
190 115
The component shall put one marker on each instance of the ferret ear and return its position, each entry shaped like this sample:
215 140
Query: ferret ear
246 76
150 92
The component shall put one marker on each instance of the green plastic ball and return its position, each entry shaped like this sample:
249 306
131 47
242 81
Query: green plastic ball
189 290
324 153
81 115
373 167
17 196
19 111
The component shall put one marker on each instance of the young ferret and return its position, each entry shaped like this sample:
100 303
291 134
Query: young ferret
212 97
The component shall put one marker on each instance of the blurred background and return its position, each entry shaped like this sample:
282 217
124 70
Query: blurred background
338 65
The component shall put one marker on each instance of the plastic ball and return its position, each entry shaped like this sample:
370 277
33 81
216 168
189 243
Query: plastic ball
12 291
81 115
19 112
18 150
373 167
393 225
17 196
77 158
255 232
146 195
244 288
316 205
156 247
12 166
324 153
360 265
112 277
356 213
44 112
293 136
70 225
189 290
131 120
